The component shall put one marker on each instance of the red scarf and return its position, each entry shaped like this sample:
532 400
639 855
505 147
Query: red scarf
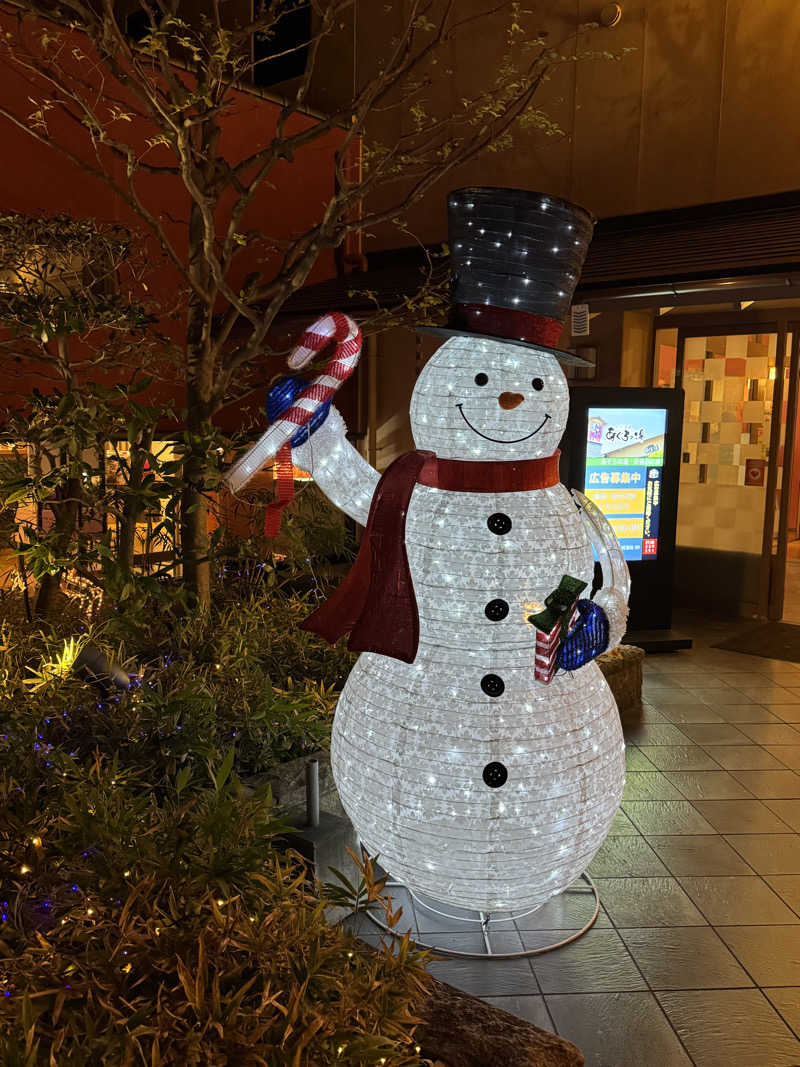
376 603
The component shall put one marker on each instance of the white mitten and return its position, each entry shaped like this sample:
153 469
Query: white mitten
322 443
616 609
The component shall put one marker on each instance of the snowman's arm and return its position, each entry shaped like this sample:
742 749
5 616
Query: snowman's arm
613 596
343 475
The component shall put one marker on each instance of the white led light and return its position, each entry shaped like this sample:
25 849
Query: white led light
411 742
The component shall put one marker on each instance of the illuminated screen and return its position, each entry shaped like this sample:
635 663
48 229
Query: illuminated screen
624 462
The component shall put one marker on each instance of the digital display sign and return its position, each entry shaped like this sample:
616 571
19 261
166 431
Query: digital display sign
624 468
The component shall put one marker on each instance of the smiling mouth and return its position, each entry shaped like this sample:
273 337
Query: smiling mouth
501 440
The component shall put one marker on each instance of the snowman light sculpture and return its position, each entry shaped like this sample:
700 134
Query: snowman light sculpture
478 781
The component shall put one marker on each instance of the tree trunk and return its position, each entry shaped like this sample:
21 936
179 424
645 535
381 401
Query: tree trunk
194 533
194 503
126 534
199 386
66 514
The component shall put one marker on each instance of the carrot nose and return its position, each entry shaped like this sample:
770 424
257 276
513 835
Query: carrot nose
507 401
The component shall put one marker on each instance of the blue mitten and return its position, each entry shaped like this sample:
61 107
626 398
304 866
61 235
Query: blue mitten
281 396
587 639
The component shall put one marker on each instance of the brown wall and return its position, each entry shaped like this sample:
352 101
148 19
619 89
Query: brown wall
701 109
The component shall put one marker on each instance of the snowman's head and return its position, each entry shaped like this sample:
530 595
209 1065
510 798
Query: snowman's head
479 398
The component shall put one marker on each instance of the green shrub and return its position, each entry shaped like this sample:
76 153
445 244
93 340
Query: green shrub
241 674
147 913
144 929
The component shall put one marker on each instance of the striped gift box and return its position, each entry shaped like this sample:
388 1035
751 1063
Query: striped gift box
544 664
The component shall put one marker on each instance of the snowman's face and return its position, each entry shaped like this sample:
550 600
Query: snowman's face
480 399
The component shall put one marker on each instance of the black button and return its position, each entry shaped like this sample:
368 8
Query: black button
499 523
496 610
495 775
492 685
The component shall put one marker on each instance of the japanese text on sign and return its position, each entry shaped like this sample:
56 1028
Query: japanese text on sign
624 460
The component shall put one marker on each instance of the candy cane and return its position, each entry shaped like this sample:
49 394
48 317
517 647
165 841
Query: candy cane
275 442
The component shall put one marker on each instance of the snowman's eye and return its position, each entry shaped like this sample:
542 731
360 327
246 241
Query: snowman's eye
537 384
481 379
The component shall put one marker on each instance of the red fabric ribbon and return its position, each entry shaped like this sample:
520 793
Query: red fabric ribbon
285 491
508 324
376 604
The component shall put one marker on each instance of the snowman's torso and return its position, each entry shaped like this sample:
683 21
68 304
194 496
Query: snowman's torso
411 742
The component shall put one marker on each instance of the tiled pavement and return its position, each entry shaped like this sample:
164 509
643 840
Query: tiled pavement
695 957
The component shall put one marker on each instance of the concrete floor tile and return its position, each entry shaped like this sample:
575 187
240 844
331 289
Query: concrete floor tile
681 758
568 911
684 957
768 853
647 902
650 785
597 962
744 758
786 712
683 713
771 785
698 855
672 697
530 1008
618 1029
699 680
737 901
737 679
770 954
765 733
651 714
707 785
723 1027
788 887
787 810
716 698
621 825
656 734
784 678
486 978
789 755
787 1002
626 857
666 817
770 694
740 817
502 941
737 713
635 760
712 734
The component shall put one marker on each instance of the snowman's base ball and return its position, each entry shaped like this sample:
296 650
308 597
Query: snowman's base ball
410 774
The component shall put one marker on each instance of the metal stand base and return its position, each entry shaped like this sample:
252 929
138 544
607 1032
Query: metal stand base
485 919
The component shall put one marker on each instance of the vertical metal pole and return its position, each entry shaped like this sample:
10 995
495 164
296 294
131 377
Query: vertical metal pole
312 792
778 582
766 568
372 400
486 918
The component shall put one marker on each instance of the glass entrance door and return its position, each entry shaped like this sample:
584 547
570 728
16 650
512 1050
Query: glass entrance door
738 481
785 594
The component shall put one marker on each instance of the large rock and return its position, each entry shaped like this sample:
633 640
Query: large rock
462 1031
622 669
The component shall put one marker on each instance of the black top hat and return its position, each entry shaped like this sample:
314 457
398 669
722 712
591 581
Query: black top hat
515 258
